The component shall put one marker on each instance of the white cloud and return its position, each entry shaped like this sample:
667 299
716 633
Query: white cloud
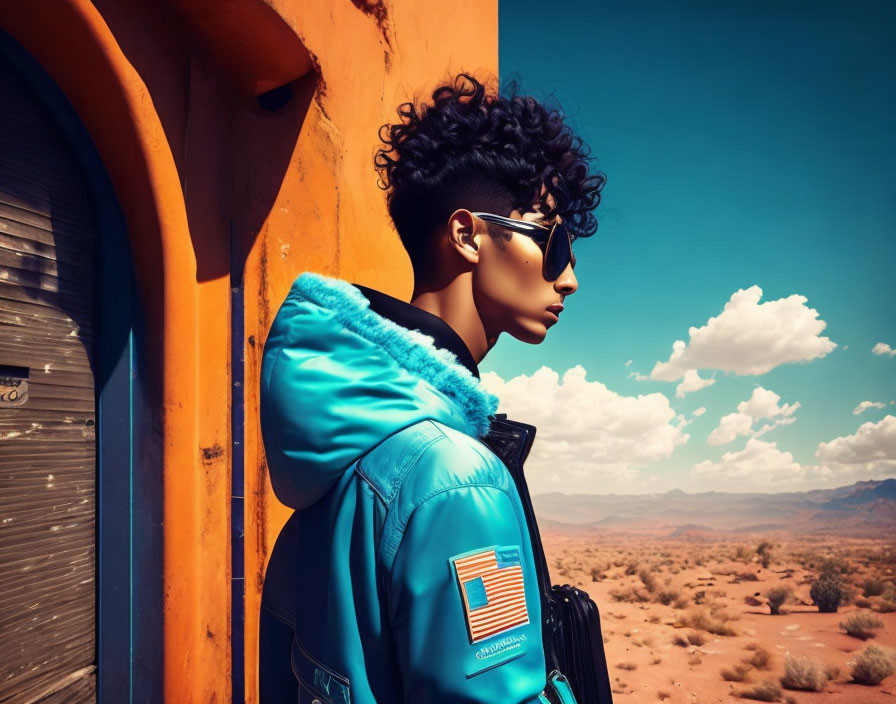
865 405
692 382
699 411
628 363
749 337
760 464
729 428
883 348
871 449
762 404
759 432
638 376
870 453
590 439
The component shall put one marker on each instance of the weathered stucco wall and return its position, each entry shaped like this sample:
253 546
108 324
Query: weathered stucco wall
216 189
330 216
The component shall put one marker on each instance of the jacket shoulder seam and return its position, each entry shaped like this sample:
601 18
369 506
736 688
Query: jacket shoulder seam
400 529
444 490
409 459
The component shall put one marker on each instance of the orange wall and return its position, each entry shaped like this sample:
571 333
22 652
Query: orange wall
167 90
330 216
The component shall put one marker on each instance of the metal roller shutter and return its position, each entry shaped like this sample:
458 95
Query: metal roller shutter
47 409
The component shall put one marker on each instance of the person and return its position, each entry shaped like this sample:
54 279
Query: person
407 573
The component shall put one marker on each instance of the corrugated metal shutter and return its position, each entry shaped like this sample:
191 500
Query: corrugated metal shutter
47 443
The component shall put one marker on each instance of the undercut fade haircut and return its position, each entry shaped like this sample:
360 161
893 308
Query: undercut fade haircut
474 149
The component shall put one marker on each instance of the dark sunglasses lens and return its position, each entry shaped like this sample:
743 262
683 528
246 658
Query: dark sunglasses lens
558 254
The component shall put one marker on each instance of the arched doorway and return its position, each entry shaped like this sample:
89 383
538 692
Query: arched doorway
67 412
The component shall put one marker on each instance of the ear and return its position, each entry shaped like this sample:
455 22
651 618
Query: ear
464 234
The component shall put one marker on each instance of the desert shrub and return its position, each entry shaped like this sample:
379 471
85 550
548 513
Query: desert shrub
765 691
889 593
738 673
863 603
746 577
887 603
761 659
835 566
861 624
743 554
627 666
804 674
827 592
681 601
680 641
663 696
648 580
597 574
832 671
873 665
631 568
706 620
885 607
695 659
655 660
666 596
776 597
696 638
764 551
873 586
632 595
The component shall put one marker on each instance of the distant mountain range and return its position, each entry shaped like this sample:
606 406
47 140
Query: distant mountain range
863 509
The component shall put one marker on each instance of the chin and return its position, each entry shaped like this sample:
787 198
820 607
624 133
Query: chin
532 334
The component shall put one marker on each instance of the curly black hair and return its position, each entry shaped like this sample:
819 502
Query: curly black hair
478 150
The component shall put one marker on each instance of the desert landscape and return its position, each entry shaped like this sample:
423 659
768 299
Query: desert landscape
736 597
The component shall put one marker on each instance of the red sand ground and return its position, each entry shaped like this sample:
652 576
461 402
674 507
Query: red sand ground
641 634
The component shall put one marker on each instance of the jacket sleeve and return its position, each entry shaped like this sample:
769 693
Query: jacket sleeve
464 601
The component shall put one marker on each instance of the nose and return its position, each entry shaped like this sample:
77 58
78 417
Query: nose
567 283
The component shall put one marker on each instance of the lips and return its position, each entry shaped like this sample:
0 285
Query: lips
555 308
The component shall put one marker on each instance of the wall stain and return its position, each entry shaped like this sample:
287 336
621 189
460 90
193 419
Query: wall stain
380 14
211 453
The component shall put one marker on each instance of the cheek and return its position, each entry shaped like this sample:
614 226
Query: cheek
524 267
513 279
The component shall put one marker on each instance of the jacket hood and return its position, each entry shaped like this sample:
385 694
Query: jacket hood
337 379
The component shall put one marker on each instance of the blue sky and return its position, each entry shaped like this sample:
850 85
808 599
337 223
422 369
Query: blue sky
745 145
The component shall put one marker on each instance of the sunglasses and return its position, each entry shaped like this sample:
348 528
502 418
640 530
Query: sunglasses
555 242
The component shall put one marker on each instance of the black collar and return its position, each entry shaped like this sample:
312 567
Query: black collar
414 318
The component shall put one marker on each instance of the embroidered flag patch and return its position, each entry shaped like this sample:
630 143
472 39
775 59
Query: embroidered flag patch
492 590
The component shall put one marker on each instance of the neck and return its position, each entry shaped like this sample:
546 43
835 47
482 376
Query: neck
454 304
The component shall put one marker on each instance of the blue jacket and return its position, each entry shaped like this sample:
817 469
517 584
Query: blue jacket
416 579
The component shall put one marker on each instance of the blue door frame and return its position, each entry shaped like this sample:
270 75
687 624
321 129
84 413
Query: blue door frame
128 483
